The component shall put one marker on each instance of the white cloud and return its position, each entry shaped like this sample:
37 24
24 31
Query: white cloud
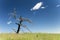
43 7
37 6
9 22
57 5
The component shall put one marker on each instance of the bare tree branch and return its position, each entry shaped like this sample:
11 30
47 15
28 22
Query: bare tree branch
26 28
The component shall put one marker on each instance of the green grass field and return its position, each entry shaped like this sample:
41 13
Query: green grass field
30 36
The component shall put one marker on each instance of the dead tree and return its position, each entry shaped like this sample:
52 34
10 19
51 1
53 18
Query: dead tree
20 19
19 25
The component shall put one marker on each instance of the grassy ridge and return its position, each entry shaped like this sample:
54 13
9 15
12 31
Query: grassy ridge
30 36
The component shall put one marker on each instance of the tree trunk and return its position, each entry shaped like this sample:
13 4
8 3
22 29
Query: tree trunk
18 29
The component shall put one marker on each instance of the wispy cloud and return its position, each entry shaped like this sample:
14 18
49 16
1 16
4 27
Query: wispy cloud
37 6
58 5
43 7
9 22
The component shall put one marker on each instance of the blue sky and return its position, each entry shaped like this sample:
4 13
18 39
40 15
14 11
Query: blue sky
43 20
